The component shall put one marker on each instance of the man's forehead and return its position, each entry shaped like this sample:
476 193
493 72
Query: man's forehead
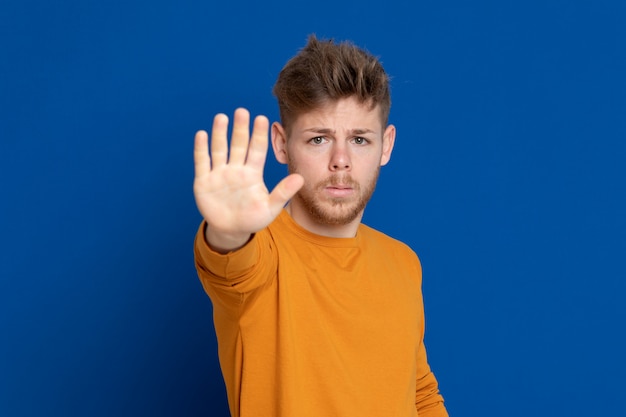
340 115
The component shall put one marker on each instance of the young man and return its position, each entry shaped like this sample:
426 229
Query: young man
316 314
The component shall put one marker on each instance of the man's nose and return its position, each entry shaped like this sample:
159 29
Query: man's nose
340 158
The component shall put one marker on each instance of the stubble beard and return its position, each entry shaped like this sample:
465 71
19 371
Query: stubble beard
335 211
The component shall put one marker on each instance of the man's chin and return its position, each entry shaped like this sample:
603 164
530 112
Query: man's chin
336 214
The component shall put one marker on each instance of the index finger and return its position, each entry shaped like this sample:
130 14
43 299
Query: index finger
257 151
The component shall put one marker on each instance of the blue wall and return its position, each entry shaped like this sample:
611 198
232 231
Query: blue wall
508 180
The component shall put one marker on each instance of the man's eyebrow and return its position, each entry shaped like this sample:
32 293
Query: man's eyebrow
324 131
361 131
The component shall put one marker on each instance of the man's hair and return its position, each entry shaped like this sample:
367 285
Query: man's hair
323 72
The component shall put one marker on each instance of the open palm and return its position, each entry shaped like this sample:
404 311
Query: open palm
228 187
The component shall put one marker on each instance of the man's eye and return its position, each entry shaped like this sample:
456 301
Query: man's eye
360 141
317 140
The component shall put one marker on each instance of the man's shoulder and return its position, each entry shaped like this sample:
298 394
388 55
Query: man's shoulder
369 233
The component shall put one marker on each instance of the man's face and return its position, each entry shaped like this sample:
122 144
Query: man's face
339 150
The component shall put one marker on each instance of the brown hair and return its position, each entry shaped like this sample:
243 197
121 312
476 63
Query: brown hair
324 71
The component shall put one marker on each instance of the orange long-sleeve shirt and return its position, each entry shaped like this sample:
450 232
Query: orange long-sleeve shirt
314 326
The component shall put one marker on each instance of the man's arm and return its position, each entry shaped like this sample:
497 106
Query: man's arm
228 186
428 400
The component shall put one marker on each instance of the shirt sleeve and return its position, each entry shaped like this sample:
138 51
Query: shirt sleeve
232 275
428 399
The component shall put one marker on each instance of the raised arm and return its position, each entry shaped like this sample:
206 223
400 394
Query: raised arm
228 186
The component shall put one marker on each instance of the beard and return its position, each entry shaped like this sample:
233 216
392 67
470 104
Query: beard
335 211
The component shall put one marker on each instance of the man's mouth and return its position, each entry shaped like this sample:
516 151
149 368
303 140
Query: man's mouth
339 191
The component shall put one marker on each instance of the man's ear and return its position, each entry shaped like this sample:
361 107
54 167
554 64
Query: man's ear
389 138
279 143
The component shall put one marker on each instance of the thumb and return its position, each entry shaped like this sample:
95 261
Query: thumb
284 190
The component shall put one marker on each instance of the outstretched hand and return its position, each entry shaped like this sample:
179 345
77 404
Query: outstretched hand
228 187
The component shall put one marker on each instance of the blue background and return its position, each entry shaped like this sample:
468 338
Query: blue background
507 179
